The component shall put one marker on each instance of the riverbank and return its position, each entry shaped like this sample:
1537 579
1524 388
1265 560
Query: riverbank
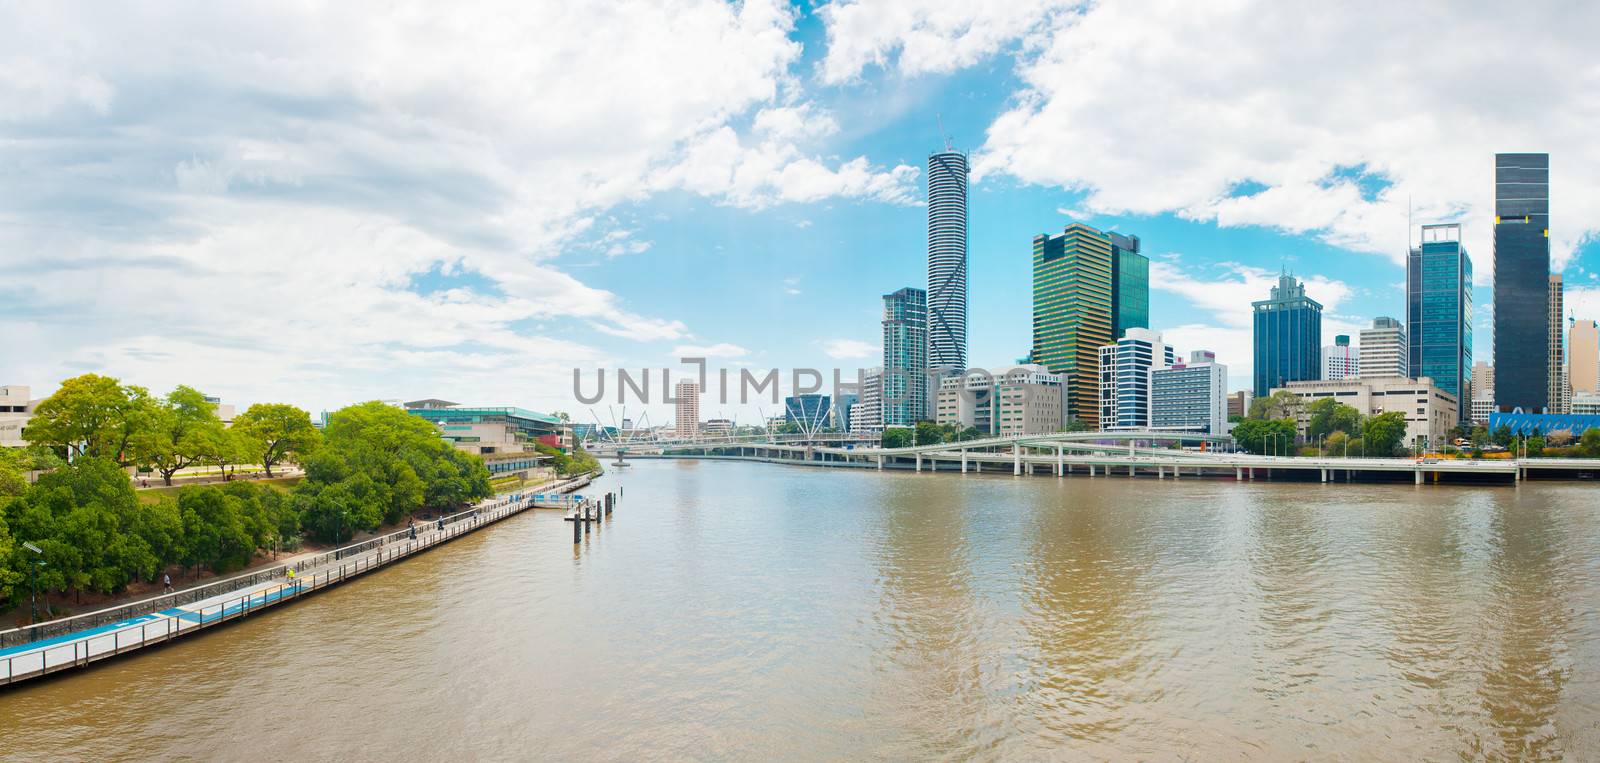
86 639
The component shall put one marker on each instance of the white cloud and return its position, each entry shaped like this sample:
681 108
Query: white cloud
773 171
1169 106
1226 296
924 36
719 350
844 349
240 198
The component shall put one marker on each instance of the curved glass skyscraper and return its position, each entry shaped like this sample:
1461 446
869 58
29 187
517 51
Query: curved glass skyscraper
947 260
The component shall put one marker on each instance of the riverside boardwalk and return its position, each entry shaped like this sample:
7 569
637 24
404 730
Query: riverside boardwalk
85 639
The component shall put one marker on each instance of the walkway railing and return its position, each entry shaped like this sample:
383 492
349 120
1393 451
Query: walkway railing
156 619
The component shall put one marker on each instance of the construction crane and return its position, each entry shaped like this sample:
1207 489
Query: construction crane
942 134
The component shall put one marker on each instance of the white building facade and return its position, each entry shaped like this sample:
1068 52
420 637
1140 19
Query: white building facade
1384 352
1125 368
1430 412
1020 400
1192 396
1340 360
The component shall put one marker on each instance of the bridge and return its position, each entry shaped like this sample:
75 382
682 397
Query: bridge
1125 453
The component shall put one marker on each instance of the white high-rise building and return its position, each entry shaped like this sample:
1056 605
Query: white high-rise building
1560 392
866 415
1125 368
1339 360
688 410
1192 396
947 260
1383 350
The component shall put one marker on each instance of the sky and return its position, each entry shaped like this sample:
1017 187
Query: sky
324 203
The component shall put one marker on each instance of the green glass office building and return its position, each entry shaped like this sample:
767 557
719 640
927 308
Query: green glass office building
1072 315
1130 285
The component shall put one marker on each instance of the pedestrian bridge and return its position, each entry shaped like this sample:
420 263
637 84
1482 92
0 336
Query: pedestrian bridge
1131 454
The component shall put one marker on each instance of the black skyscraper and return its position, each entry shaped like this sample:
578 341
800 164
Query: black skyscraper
1521 281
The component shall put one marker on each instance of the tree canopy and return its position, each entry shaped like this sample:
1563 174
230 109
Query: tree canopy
1265 436
378 464
90 415
180 430
1281 404
1384 432
274 432
1328 415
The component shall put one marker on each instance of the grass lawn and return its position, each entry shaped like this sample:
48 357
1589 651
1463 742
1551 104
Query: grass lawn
155 494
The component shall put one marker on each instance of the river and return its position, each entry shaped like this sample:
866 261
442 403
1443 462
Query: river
749 611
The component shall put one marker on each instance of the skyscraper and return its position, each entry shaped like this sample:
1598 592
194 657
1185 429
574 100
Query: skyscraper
1339 360
947 260
1130 285
905 357
1072 312
1383 350
1439 313
1125 378
1287 336
688 408
1559 394
1521 281
1583 357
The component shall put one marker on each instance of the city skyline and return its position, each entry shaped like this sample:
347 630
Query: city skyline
307 246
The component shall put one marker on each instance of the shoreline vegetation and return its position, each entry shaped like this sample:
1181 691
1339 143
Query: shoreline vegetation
82 532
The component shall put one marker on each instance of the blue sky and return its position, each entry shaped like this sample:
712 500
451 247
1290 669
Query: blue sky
326 205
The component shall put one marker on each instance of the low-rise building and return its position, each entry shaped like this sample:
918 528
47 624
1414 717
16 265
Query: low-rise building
1430 412
16 408
1481 408
717 427
486 430
1019 400
1191 396
1239 403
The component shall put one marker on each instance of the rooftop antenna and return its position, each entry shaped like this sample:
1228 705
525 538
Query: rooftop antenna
942 134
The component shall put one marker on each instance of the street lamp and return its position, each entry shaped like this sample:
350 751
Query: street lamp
37 563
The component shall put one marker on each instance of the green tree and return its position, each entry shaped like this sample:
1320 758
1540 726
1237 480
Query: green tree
896 437
928 433
90 415
13 473
1589 443
277 432
367 469
214 529
1536 446
1480 439
1075 424
88 522
1327 415
1265 436
1502 436
1281 404
183 431
1384 432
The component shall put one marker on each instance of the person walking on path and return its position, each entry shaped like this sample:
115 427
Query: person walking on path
166 583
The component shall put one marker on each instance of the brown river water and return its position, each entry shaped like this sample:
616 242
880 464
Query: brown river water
738 611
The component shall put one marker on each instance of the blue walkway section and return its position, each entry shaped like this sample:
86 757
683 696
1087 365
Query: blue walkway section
62 639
